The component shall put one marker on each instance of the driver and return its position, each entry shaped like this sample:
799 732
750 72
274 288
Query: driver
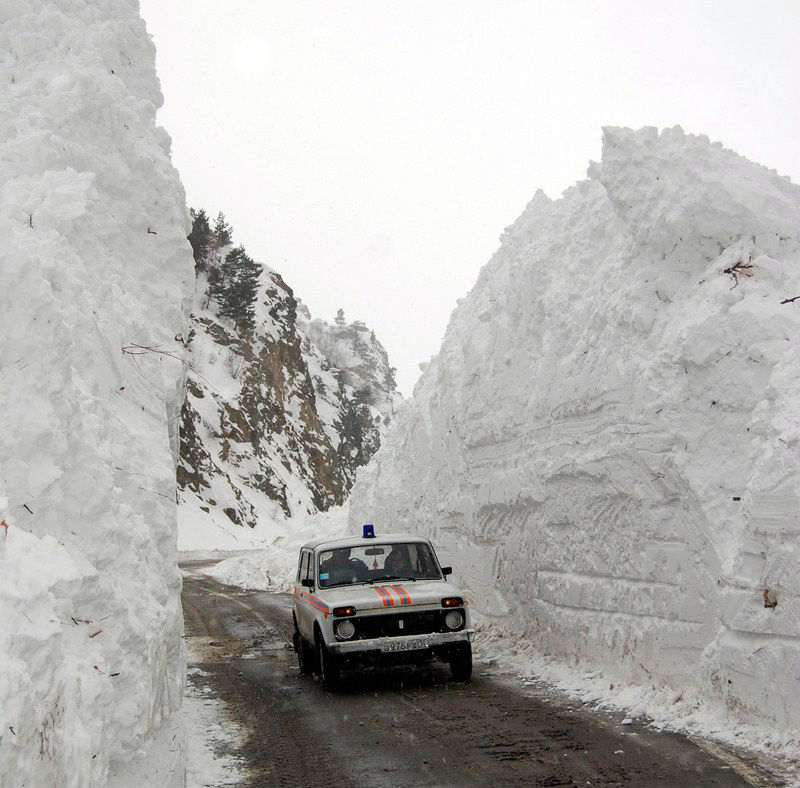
343 569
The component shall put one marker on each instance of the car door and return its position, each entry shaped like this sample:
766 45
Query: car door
305 611
297 604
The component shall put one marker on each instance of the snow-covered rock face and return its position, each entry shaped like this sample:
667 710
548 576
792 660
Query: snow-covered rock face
609 435
276 421
95 276
354 350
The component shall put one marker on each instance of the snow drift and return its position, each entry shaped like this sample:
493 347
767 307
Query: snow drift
274 566
607 442
96 278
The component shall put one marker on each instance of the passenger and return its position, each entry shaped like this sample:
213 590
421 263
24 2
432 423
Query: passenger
398 561
340 568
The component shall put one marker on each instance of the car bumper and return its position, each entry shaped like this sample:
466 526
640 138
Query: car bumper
395 645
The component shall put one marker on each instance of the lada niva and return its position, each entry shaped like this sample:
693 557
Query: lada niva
377 599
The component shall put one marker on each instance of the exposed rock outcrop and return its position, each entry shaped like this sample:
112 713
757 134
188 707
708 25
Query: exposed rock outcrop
277 419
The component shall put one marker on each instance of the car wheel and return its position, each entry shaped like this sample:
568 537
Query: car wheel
330 667
461 662
305 655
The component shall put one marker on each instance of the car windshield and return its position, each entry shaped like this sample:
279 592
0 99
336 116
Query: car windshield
373 563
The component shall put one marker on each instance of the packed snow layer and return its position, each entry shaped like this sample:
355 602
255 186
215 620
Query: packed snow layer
607 443
95 276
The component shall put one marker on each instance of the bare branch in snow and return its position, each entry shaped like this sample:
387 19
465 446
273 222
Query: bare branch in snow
740 268
135 349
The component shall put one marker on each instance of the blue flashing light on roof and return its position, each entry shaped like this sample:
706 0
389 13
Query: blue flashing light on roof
369 531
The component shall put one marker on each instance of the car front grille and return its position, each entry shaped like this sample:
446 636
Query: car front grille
401 624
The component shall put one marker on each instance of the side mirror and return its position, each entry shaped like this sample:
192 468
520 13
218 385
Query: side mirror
447 570
308 582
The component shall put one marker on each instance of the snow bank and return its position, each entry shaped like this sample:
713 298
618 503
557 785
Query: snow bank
607 443
95 268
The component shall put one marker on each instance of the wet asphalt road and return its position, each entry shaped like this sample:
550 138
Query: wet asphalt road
413 726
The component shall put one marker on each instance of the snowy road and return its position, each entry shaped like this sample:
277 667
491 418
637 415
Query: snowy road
409 726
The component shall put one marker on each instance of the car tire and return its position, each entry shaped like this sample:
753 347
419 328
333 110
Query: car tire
461 662
305 655
330 668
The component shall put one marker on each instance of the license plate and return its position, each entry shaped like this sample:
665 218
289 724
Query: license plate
404 645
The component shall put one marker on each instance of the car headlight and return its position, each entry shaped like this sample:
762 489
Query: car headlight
345 629
454 619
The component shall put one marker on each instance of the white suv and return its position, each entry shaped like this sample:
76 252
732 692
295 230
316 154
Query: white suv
377 599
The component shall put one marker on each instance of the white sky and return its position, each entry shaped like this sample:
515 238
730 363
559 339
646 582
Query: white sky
373 151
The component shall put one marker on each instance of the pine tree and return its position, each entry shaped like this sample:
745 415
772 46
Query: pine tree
216 284
223 232
389 379
200 238
240 277
339 319
364 396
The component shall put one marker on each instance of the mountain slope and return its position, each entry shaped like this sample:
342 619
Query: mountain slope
271 428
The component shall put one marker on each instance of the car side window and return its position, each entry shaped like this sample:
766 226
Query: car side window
309 566
300 567
423 562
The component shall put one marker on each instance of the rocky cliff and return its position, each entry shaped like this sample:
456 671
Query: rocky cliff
279 413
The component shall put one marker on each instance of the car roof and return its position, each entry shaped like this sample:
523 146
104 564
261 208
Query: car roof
354 540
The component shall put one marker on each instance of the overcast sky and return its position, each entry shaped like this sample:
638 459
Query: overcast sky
372 152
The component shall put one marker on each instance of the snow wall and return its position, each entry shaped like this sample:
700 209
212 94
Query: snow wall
607 443
93 262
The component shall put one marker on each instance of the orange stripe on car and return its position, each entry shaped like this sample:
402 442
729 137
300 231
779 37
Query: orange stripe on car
385 596
310 599
405 599
385 590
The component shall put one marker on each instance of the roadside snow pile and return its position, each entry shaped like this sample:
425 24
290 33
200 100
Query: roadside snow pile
95 276
607 443
273 568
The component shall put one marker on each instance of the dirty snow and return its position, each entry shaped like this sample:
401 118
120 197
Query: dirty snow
662 707
212 736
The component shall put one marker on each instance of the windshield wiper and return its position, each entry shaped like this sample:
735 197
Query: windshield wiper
348 583
393 577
